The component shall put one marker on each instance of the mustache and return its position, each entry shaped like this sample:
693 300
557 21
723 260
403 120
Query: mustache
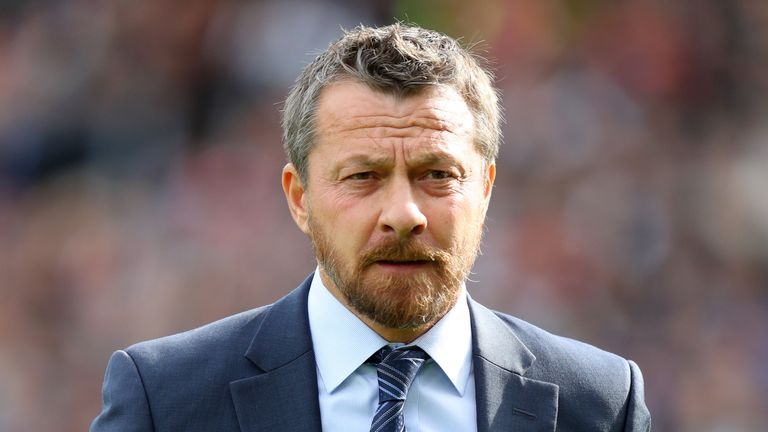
406 250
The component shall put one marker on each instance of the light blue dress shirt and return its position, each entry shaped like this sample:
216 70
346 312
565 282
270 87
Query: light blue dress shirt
441 398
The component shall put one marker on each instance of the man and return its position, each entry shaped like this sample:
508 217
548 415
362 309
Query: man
392 134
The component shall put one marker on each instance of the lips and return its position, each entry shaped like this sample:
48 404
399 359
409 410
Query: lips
403 262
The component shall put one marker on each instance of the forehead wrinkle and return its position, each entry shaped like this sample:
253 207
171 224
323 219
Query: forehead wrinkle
423 134
386 153
361 118
427 119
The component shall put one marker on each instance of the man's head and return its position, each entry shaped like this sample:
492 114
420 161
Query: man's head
392 135
399 60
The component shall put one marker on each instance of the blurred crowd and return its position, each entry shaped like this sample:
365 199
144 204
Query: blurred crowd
140 159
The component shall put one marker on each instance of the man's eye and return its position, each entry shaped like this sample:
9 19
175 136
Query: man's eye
367 175
439 175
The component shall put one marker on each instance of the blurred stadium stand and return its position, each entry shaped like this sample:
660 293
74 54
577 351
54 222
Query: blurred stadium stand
140 159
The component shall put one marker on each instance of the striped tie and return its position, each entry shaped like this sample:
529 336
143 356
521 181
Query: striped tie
396 369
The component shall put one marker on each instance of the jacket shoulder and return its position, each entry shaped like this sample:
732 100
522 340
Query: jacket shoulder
178 382
560 351
216 339
590 380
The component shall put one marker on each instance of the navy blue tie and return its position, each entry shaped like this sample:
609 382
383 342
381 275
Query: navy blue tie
396 369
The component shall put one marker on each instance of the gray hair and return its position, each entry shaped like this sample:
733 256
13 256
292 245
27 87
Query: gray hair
400 60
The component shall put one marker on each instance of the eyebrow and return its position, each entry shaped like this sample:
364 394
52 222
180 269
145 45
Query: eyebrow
433 158
366 161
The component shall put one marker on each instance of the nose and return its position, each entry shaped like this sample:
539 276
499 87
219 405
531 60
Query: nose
400 213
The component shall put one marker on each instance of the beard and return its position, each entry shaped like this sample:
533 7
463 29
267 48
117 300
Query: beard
399 301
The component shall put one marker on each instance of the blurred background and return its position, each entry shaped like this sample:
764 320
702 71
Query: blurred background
140 195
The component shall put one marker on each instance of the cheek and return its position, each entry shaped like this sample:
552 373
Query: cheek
446 217
347 222
332 205
455 218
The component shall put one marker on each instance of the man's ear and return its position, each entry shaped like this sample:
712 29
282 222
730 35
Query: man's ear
490 176
296 197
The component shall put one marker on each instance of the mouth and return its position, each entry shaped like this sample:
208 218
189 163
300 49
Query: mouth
403 265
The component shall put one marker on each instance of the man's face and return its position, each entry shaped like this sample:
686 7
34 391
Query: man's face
394 202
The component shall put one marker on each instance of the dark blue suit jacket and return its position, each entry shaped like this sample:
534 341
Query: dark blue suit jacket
256 372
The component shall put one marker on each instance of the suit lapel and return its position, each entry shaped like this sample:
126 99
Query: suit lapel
506 400
284 397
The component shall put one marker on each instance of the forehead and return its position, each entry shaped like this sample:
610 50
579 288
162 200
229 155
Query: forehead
355 115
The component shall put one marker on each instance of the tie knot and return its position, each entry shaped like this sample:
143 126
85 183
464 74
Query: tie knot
389 354
397 369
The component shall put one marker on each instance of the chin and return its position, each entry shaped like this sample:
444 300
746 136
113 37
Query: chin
404 302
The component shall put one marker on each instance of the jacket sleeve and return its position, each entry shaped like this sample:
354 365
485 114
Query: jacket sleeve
125 406
638 417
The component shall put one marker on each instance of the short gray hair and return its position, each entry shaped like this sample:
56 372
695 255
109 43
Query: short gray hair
397 59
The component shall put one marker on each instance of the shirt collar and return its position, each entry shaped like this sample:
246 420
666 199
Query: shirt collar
342 342
449 343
